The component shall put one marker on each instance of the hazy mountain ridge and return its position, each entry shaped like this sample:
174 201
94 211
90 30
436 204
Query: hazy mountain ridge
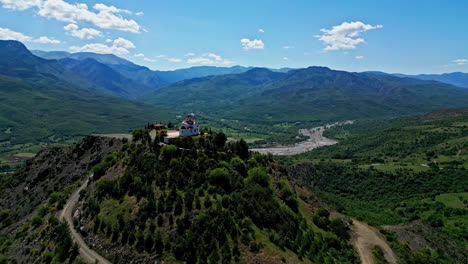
314 93
459 79
42 100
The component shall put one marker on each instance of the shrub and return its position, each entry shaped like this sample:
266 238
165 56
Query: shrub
36 221
220 177
259 176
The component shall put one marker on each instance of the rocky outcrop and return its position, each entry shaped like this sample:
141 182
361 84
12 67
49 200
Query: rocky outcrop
52 170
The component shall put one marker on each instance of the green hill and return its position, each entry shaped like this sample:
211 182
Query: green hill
198 200
406 173
315 93
44 102
31 113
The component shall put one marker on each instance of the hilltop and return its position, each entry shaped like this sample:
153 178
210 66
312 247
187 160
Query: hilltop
197 199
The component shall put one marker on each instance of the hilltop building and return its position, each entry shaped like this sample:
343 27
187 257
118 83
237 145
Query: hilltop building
189 127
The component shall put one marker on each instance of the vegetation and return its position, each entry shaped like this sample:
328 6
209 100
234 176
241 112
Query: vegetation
36 92
396 171
220 201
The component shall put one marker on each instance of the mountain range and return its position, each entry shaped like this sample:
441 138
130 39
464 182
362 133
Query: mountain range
102 92
42 98
314 93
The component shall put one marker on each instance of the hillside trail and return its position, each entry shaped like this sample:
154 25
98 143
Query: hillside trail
315 140
86 253
365 238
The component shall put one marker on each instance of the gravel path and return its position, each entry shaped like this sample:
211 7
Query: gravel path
86 253
315 140
365 239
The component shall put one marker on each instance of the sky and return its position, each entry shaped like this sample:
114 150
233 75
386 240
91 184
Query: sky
411 36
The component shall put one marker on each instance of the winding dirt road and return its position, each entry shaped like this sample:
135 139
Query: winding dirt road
315 140
365 239
86 253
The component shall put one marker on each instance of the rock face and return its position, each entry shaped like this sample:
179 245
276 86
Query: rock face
51 171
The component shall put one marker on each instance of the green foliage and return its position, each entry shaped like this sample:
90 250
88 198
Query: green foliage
58 198
197 201
36 221
220 177
259 176
140 134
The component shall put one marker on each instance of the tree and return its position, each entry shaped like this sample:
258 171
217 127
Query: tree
220 177
140 134
219 140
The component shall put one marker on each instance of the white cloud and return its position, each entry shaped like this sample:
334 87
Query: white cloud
461 61
285 58
214 56
174 60
150 60
161 56
261 30
84 33
344 36
139 13
106 17
190 54
46 40
124 43
8 34
119 46
248 44
359 57
139 55
288 47
20 4
209 59
108 40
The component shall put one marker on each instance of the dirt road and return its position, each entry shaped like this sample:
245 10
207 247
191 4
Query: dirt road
315 140
86 253
365 239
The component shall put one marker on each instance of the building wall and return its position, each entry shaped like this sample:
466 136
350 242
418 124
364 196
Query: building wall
189 132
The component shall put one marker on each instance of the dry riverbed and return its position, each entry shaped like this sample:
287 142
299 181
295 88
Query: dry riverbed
315 140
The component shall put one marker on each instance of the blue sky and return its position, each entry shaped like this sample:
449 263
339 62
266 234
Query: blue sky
410 37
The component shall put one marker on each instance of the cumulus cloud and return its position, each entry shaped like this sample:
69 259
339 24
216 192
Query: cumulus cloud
359 57
8 34
461 61
124 43
261 30
161 56
209 59
214 56
139 13
288 47
139 55
84 33
285 58
46 40
190 54
103 16
248 44
345 36
20 4
150 60
119 46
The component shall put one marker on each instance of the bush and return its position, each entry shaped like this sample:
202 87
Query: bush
220 177
36 221
259 176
